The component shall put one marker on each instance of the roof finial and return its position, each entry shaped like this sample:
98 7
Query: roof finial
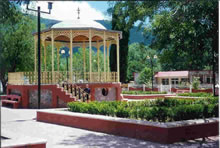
78 10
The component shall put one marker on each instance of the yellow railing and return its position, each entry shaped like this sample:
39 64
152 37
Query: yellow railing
57 77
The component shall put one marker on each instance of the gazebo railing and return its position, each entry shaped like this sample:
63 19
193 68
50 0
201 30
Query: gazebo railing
57 77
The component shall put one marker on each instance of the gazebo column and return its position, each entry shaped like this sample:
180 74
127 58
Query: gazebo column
52 51
97 46
71 56
104 58
35 58
118 69
84 59
45 54
58 46
108 45
90 55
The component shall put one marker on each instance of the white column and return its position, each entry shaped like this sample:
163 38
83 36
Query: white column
97 46
35 54
35 59
108 45
45 56
118 68
84 59
71 56
104 58
90 55
52 50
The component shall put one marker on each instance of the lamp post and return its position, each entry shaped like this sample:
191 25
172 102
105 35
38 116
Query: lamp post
63 53
152 68
38 30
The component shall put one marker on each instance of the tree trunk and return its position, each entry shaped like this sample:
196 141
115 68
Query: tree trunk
4 85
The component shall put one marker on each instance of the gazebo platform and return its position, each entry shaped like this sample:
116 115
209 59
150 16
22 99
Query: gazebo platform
59 91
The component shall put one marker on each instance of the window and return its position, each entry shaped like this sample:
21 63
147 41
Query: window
105 91
184 79
174 81
201 79
165 81
208 80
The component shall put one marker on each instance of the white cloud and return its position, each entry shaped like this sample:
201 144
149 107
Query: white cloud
67 10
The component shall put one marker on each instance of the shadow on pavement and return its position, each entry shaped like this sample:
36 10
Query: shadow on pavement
103 141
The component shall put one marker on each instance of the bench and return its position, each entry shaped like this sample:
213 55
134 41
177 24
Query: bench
14 100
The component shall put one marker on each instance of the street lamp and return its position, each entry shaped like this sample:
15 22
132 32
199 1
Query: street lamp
38 30
63 53
152 66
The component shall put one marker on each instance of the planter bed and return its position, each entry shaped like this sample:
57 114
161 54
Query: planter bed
169 132
183 97
147 96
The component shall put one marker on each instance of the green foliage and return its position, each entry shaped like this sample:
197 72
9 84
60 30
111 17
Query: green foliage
16 44
186 41
137 59
199 94
142 92
124 15
195 83
162 110
145 76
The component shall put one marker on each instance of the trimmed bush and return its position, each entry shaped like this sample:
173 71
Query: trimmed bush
199 94
162 110
142 92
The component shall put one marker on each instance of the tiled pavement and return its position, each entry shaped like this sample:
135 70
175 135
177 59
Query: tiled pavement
22 122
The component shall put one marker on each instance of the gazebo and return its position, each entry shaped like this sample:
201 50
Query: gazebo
60 87
77 33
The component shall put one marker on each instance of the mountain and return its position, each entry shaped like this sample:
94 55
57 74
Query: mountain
135 34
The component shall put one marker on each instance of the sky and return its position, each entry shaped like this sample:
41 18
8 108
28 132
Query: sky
67 10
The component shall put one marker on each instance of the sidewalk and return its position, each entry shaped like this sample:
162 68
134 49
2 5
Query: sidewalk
22 121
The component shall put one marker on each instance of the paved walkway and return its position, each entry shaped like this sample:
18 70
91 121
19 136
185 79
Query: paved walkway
22 121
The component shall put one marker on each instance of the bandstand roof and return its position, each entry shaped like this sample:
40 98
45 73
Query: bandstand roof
78 24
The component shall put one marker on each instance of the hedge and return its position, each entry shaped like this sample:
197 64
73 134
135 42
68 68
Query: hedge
162 110
199 94
142 92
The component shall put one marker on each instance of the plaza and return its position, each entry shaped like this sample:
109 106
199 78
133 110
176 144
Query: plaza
146 77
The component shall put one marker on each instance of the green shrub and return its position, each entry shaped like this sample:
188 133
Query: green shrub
161 110
93 108
122 112
142 92
105 109
195 83
199 94
186 112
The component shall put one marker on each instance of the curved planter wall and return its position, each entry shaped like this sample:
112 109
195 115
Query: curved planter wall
151 131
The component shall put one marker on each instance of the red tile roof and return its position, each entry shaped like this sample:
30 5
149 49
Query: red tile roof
172 74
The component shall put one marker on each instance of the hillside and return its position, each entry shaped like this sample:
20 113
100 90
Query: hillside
135 34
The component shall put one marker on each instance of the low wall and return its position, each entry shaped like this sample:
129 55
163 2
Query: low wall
156 132
52 97
153 96
193 90
141 89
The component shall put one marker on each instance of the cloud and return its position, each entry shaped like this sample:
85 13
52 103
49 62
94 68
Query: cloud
67 10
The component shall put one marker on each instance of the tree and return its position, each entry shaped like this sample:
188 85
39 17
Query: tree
195 83
16 43
137 59
124 15
186 34
145 76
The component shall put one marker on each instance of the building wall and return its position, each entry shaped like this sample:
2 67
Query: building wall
203 74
